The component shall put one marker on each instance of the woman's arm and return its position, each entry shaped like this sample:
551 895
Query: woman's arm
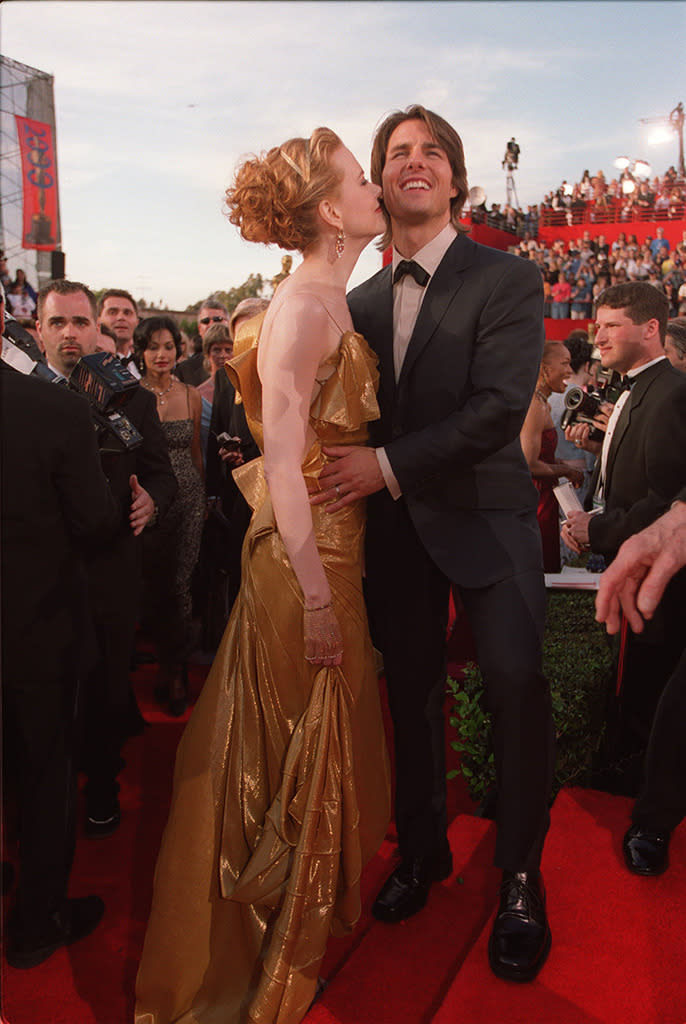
531 437
299 338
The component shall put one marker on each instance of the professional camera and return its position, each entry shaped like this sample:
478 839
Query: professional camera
108 386
583 406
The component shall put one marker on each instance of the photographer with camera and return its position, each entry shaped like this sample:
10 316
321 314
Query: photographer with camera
511 158
142 478
641 469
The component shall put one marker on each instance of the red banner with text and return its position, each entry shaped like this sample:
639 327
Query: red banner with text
39 184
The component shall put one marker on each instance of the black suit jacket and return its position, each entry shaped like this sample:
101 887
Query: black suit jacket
227 416
646 465
55 499
114 569
192 370
450 426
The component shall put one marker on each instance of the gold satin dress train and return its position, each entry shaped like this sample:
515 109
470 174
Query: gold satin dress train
282 785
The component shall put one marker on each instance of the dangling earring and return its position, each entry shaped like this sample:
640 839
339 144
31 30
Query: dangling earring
340 244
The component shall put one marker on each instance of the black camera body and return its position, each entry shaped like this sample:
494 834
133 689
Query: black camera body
108 386
227 442
583 406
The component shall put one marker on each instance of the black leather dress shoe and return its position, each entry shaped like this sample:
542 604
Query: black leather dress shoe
78 918
520 940
646 850
406 890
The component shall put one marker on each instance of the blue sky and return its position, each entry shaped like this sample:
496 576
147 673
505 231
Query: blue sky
157 102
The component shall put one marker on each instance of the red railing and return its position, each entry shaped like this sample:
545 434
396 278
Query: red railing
612 213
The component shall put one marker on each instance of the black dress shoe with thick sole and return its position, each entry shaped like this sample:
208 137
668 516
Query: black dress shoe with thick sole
520 940
78 918
646 850
406 890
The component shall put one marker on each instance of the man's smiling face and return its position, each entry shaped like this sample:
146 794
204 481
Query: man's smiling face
417 178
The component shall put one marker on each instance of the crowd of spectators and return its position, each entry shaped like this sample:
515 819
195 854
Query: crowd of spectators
630 196
19 295
575 272
594 199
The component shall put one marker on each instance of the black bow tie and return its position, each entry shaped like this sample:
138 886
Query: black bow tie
420 275
627 383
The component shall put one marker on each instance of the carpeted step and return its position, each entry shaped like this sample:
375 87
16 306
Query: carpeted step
401 972
619 942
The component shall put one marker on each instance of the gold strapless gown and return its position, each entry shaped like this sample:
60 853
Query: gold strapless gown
281 785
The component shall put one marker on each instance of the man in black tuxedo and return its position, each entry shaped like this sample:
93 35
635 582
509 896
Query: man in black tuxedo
458 328
55 499
67 330
642 467
117 310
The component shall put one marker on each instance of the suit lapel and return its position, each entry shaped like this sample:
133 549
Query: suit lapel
441 290
638 393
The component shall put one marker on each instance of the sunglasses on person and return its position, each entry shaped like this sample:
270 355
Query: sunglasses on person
212 319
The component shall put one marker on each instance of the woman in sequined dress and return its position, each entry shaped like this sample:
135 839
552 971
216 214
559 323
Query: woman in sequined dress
171 545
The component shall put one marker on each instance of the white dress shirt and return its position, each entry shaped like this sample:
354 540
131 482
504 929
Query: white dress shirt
612 423
407 300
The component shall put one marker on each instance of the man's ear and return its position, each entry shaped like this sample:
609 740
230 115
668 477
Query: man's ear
651 328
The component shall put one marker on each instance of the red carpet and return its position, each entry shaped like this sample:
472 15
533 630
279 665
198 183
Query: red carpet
619 944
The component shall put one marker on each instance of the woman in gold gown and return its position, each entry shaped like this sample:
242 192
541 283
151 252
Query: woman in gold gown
281 786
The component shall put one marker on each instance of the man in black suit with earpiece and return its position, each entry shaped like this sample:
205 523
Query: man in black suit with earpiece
458 328
55 500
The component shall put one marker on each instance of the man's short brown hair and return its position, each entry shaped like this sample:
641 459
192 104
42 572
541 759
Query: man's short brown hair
641 301
116 293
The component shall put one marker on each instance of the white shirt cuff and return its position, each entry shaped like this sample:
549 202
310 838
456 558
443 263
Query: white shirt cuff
388 474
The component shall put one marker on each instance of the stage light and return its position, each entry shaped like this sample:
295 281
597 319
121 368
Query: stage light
659 135
642 169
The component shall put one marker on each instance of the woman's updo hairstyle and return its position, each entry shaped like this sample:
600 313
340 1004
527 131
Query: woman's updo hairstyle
274 197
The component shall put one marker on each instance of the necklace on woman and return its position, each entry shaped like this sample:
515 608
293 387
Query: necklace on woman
539 394
155 391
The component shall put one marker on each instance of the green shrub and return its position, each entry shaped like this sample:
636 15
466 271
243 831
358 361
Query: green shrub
578 663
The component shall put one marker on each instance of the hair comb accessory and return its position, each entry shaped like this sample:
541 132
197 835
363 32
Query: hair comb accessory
305 175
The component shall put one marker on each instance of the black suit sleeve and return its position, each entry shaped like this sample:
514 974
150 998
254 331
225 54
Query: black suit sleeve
220 422
503 370
664 465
